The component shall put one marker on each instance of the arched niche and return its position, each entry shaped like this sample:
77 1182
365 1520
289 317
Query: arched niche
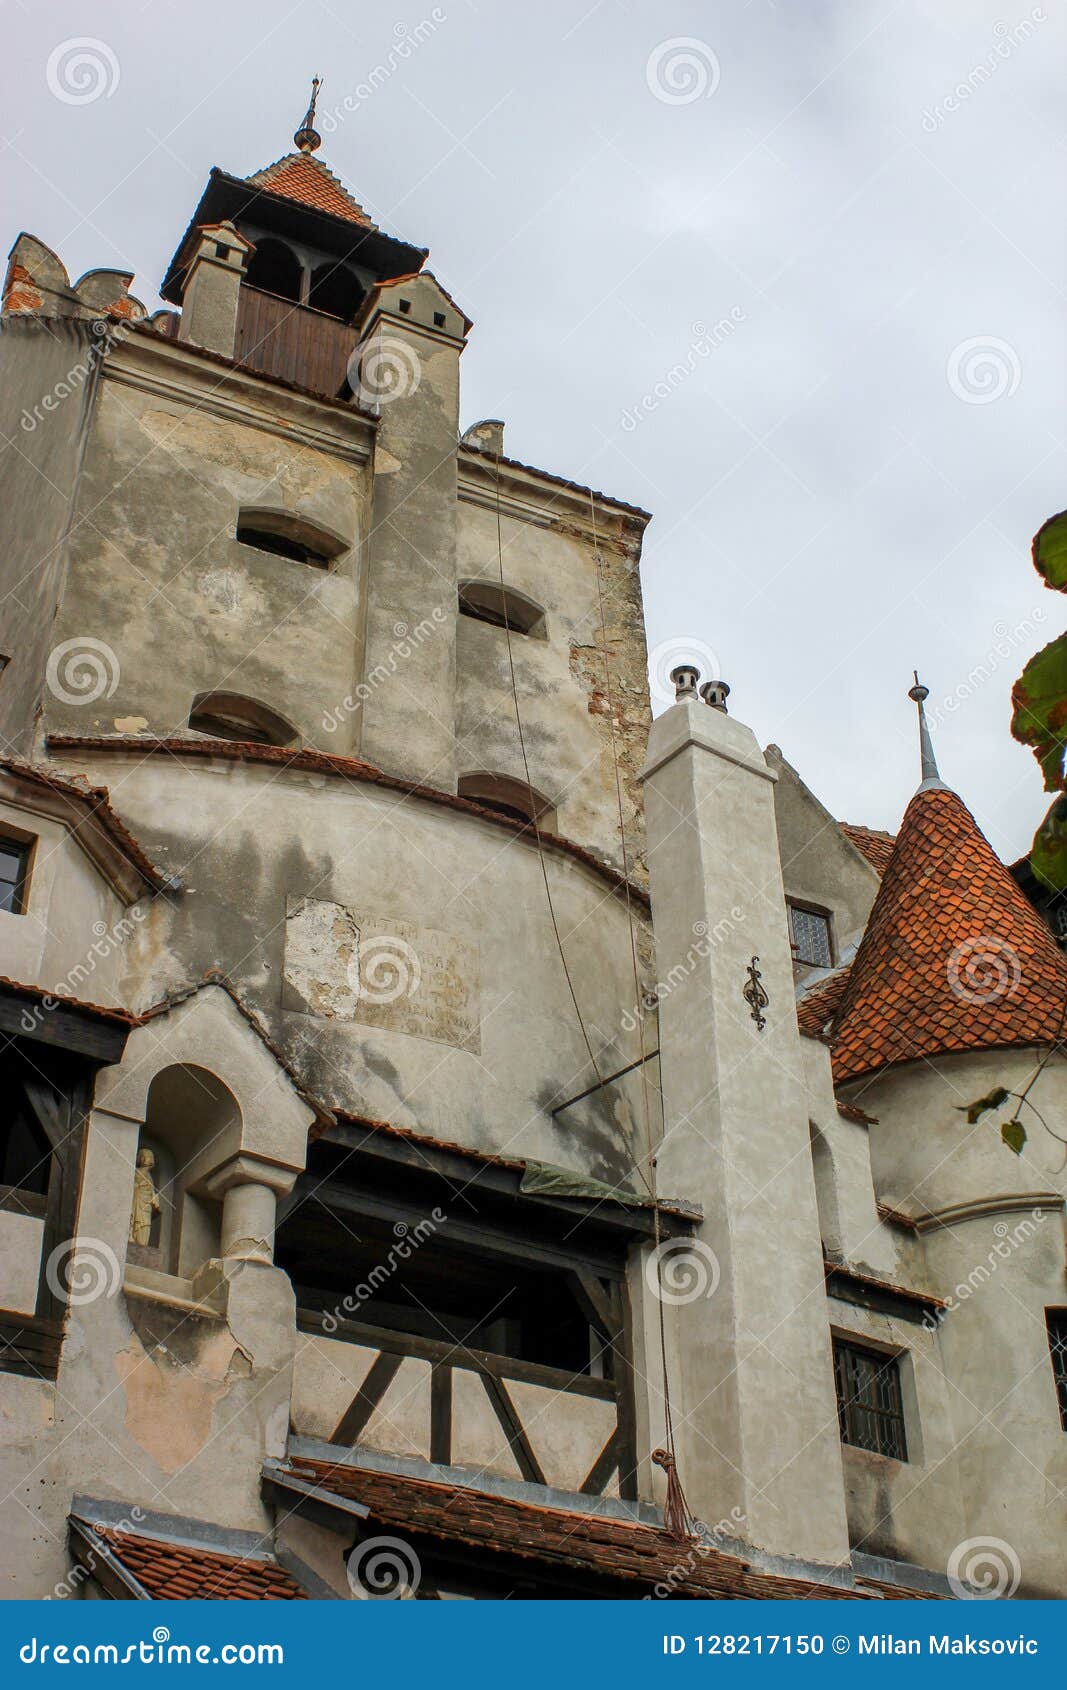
230 715
189 1108
825 1190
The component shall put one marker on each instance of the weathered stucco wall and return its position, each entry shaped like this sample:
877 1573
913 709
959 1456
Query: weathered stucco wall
590 666
820 866
157 574
47 383
466 1028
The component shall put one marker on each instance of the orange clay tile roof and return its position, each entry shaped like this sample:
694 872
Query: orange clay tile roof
300 177
954 957
174 1571
96 800
555 1537
877 847
817 1008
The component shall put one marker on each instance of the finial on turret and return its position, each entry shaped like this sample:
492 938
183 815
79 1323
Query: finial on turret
931 776
307 137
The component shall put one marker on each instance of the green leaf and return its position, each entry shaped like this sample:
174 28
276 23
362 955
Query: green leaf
975 1110
1014 1135
1039 710
1048 854
1050 552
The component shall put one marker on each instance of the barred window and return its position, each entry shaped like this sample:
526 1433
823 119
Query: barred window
14 867
869 1404
1056 1321
809 931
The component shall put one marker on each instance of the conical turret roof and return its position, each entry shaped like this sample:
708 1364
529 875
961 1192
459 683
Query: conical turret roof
954 958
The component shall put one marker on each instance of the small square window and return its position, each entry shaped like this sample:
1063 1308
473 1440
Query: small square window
405 306
1056 1321
809 932
869 1405
439 319
14 866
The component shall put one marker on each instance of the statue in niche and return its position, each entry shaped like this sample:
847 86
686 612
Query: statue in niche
146 1203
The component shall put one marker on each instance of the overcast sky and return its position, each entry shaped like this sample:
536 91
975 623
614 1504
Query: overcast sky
789 275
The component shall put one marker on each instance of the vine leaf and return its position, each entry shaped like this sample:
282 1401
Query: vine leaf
993 1100
1048 853
1039 710
1014 1135
1050 552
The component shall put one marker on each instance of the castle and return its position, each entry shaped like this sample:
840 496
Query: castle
466 1138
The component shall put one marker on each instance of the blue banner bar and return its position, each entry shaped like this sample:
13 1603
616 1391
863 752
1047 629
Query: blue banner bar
545 1644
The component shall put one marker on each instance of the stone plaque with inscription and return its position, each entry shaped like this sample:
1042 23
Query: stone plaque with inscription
343 964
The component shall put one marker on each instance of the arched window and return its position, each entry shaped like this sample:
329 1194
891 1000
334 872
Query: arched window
188 1108
229 715
335 290
288 535
275 268
511 798
503 607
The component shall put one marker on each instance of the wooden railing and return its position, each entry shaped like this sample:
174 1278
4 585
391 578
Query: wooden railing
496 1372
295 343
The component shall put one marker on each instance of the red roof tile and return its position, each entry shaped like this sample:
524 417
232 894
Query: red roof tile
96 801
555 1537
817 1008
300 177
954 957
175 1571
876 846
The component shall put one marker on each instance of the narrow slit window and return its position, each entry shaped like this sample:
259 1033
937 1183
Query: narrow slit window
14 874
869 1403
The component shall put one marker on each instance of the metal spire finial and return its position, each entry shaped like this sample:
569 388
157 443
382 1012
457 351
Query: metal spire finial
307 136
931 776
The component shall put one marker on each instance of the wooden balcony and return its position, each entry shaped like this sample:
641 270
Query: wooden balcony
293 342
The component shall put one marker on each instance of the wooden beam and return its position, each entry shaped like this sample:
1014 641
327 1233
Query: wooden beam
603 1467
441 1414
507 1414
383 1370
595 1303
70 1029
457 1355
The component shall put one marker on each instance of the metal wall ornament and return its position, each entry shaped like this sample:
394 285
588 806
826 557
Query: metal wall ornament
755 995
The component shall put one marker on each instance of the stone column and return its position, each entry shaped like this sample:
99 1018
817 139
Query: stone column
213 287
407 369
748 1335
249 1190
